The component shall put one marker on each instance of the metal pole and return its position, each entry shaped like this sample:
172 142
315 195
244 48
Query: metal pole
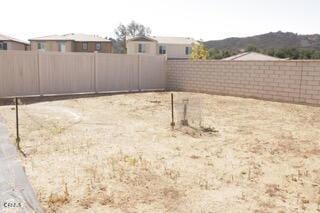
17 121
172 112
17 128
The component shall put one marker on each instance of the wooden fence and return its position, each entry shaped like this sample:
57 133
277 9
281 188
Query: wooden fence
45 73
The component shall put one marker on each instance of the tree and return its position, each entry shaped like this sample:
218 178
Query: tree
226 54
215 54
252 48
292 53
199 52
271 52
280 53
133 29
316 55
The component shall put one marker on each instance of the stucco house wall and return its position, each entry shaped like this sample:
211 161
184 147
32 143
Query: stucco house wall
12 45
71 46
175 46
52 45
175 50
150 47
106 47
73 43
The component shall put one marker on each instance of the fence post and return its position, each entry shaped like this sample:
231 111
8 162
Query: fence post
130 80
95 72
300 82
39 74
139 72
165 61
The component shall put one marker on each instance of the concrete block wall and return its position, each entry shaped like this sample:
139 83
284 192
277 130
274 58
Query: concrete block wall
289 81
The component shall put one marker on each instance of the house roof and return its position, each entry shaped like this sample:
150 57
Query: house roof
141 38
72 37
251 56
164 40
174 40
8 38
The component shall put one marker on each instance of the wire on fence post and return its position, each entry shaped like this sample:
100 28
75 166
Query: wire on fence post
172 112
17 128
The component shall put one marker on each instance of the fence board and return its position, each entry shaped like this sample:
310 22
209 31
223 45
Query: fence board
116 72
62 73
152 72
18 73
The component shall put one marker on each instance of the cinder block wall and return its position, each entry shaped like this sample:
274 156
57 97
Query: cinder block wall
289 81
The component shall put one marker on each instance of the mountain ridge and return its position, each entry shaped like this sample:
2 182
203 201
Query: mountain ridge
271 40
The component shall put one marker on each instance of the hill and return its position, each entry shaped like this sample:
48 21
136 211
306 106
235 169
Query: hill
273 40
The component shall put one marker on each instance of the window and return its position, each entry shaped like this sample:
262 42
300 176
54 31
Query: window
62 47
3 46
98 46
41 46
162 50
188 50
142 48
85 46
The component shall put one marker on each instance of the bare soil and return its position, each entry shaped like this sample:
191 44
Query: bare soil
118 153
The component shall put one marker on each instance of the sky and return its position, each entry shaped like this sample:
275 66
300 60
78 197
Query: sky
199 19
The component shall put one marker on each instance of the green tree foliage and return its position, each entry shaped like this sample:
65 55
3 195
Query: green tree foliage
199 52
220 54
284 53
252 48
293 53
122 32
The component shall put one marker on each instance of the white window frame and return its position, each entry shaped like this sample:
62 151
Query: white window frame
142 49
98 46
162 49
84 45
3 46
41 46
188 50
62 43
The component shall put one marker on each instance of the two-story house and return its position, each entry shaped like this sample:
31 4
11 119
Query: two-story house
173 47
71 43
9 43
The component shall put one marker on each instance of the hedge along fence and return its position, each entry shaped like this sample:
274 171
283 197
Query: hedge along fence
289 81
44 73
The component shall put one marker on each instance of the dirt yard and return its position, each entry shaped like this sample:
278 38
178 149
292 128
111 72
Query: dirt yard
118 153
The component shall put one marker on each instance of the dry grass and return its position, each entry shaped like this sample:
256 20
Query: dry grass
119 154
56 201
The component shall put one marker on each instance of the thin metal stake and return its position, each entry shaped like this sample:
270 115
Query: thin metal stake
17 128
172 112
17 121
